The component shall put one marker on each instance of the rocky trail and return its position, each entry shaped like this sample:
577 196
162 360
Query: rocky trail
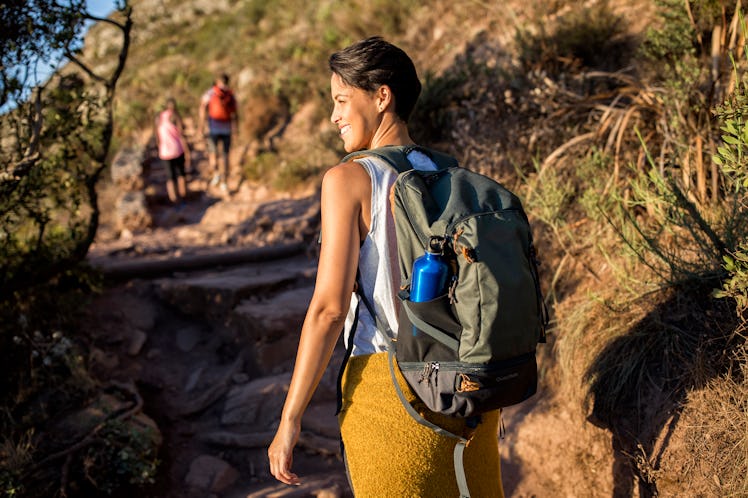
201 314
211 353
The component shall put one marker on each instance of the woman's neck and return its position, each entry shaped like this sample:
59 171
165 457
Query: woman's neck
391 132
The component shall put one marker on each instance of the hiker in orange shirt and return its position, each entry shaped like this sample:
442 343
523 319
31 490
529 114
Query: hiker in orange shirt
218 119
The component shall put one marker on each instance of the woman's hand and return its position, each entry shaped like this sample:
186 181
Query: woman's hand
280 452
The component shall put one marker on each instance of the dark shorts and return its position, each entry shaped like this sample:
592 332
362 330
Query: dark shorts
176 166
213 143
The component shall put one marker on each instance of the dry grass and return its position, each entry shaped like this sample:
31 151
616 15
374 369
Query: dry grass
712 459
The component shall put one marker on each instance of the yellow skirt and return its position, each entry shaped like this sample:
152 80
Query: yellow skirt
388 454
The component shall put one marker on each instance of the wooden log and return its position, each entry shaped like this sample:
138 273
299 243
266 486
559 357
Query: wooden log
154 267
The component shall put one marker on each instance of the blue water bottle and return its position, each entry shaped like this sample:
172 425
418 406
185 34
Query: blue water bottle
429 275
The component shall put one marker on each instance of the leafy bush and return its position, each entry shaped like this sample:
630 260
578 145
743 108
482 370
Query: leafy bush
587 36
257 168
677 211
431 118
43 376
56 147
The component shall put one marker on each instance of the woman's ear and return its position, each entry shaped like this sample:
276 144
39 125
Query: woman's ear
384 97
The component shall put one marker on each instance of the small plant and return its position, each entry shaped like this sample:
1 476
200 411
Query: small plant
125 458
736 286
258 168
596 196
592 37
293 173
431 117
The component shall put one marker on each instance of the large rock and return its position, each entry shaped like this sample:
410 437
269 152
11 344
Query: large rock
227 212
215 294
211 474
257 404
279 220
275 356
131 211
273 319
127 167
320 418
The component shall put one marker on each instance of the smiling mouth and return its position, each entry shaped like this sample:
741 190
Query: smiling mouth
345 129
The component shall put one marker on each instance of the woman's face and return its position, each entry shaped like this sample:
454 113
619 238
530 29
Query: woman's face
355 113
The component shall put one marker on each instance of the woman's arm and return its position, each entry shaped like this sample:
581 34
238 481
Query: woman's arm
345 189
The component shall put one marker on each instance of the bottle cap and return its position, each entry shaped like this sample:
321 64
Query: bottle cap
436 245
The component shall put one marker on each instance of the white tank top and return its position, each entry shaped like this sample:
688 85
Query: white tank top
378 265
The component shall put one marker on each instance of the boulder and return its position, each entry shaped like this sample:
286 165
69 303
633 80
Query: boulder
131 211
320 418
127 167
214 294
258 403
275 356
211 474
275 318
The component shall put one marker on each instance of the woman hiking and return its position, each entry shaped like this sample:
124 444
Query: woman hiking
374 88
173 151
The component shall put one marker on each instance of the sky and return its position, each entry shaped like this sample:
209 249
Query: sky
98 8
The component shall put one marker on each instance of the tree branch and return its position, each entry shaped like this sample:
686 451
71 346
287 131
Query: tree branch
84 68
126 29
91 17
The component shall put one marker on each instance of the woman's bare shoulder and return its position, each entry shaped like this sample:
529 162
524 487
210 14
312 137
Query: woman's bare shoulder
347 175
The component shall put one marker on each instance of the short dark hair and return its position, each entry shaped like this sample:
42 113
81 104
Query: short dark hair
223 77
373 62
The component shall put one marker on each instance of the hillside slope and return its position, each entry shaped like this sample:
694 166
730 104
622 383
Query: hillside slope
514 90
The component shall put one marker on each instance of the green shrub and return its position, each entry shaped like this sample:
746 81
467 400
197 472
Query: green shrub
293 173
593 174
431 118
257 168
587 36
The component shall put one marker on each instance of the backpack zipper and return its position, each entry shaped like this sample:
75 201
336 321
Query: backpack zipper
422 237
433 367
451 226
429 369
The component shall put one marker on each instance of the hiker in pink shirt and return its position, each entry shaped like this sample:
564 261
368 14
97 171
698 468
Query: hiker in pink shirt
173 150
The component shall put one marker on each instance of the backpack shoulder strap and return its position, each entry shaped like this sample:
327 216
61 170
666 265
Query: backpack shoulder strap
397 156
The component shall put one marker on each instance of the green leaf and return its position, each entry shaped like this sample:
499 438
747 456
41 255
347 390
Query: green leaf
729 127
730 140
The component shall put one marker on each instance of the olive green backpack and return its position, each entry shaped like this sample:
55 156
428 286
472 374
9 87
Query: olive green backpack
477 349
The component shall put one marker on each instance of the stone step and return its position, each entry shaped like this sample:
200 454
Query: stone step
256 404
214 294
273 318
